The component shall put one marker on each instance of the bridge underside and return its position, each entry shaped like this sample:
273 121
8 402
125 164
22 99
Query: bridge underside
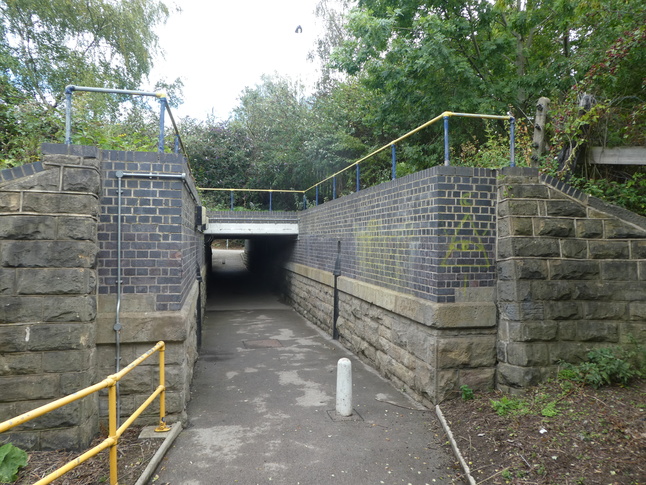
243 225
245 230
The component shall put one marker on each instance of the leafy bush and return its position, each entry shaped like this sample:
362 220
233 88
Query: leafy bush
508 405
12 459
467 393
607 366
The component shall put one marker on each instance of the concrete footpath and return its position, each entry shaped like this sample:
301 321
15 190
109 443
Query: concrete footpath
262 409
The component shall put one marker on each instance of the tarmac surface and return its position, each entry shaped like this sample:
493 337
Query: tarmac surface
262 407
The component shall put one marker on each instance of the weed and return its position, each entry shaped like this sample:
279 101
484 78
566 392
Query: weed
467 392
12 459
507 406
550 410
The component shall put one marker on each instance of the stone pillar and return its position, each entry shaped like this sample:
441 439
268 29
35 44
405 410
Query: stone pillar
48 253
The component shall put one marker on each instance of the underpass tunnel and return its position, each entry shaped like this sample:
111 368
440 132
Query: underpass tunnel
246 268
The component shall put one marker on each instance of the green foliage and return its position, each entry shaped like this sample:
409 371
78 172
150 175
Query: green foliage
12 459
506 405
607 366
550 410
467 393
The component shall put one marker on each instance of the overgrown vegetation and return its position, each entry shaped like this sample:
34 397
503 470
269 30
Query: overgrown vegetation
12 459
388 66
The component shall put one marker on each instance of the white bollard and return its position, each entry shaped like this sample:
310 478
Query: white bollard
344 387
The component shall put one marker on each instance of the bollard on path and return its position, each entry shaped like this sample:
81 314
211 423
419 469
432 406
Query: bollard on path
344 387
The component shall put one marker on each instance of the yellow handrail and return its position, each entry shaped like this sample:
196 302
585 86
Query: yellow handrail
444 115
113 433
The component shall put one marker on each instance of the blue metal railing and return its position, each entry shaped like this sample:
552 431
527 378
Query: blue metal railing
163 103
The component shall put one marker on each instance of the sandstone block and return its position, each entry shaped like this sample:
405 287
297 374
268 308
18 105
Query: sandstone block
466 351
555 227
55 281
521 226
589 228
596 310
565 208
527 354
532 269
482 379
29 387
70 309
48 254
512 207
60 336
609 249
574 248
573 270
529 247
15 364
526 191
531 331
68 361
519 376
567 330
593 331
562 310
57 203
638 249
81 180
638 311
77 228
7 282
616 229
9 201
28 227
15 309
573 352
49 180
552 290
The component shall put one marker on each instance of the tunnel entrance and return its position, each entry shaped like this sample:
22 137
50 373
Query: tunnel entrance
246 274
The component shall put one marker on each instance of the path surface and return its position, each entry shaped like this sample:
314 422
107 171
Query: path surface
263 400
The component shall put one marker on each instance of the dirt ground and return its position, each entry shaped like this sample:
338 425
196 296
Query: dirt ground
132 458
552 436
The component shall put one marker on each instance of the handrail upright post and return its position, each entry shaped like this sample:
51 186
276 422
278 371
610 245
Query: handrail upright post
304 202
112 432
446 141
162 104
316 198
231 200
358 178
393 156
270 201
68 115
162 384
512 142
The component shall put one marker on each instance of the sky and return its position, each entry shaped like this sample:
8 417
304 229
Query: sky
219 47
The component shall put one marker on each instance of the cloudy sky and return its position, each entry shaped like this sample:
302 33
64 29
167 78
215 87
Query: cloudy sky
218 47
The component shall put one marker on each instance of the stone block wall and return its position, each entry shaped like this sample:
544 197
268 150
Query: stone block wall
58 286
48 285
572 276
417 285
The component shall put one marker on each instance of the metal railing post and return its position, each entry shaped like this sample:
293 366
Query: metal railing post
304 202
162 104
162 395
393 156
446 141
231 197
270 201
358 178
512 142
68 115
112 431
334 188
316 199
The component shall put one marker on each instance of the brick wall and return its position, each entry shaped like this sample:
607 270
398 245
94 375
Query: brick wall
48 279
572 276
426 234
417 277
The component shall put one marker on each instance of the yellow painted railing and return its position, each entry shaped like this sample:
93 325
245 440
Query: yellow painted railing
114 433
444 116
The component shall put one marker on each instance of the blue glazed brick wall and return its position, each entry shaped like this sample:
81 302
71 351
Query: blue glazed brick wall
425 234
161 250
